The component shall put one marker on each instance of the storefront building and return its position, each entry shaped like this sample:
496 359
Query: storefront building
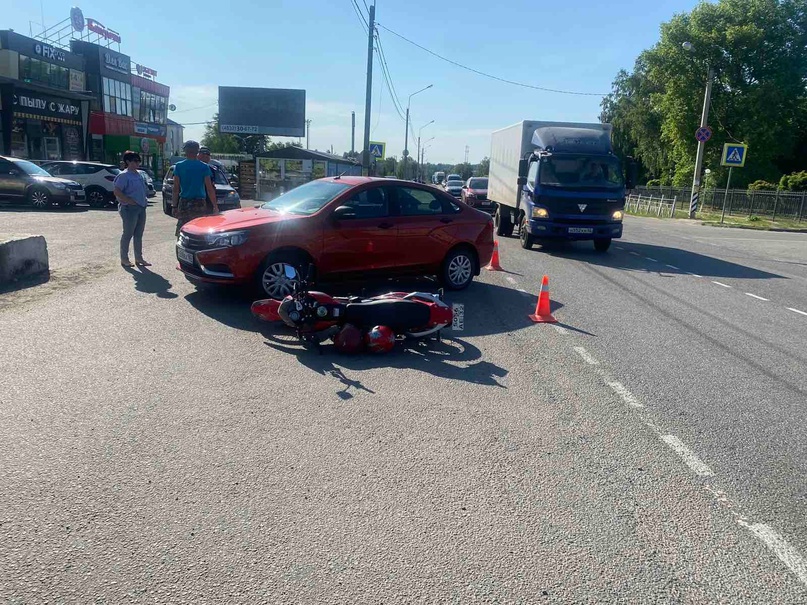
44 110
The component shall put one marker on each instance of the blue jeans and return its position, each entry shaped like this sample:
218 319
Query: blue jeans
134 223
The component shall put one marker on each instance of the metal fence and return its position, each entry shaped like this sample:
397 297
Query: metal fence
650 204
738 202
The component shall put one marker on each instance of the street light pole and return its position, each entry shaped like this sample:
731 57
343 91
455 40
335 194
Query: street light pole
418 155
406 136
694 200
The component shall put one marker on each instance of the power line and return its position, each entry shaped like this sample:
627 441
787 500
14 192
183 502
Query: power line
365 5
378 110
390 86
359 14
487 75
195 108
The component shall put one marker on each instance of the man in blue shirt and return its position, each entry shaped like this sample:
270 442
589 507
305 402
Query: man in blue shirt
130 190
192 183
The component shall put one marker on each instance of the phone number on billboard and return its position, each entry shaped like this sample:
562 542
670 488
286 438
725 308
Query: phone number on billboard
238 128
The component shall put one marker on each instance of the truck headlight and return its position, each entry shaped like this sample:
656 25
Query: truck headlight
540 213
226 240
618 215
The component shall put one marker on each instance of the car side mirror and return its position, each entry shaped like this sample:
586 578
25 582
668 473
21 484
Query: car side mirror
343 212
523 167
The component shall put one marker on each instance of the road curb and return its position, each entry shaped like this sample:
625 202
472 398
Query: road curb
22 256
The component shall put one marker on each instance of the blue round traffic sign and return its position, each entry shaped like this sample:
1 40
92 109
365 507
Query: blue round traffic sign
703 134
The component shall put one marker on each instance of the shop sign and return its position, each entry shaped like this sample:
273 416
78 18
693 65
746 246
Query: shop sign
72 143
77 19
156 130
49 53
46 106
145 71
77 80
116 62
102 31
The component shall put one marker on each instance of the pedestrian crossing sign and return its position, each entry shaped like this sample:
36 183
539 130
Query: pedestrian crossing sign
734 155
378 150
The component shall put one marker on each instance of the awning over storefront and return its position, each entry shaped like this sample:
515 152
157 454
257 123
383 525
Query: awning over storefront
30 116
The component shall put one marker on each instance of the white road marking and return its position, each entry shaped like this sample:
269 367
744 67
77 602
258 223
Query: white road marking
689 457
796 311
523 291
652 260
619 247
673 267
755 296
560 329
510 279
626 395
586 356
694 274
634 253
786 553
721 284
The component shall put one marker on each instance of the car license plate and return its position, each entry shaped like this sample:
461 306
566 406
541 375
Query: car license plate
184 255
458 323
581 230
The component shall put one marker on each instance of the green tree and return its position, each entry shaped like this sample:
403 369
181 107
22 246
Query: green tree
465 170
758 49
229 143
484 167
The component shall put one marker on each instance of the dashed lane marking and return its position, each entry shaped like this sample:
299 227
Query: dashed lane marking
673 267
694 274
774 541
652 260
634 253
755 296
619 247
688 456
523 291
626 395
721 284
796 311
586 356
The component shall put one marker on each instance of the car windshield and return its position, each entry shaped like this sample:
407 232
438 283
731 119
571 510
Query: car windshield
30 168
454 183
478 184
307 199
219 178
581 172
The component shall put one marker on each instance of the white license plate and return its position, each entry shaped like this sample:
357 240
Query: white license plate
184 255
581 230
458 323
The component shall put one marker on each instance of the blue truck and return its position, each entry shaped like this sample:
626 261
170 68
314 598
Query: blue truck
557 181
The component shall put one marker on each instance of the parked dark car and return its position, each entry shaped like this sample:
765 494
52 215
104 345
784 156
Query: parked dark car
226 196
22 181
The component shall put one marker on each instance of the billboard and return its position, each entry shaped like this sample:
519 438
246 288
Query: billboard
271 111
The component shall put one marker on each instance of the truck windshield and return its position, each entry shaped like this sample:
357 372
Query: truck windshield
581 172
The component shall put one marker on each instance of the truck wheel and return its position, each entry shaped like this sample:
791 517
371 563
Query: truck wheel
527 240
602 245
504 227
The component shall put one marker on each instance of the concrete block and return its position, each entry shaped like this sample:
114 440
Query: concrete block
22 256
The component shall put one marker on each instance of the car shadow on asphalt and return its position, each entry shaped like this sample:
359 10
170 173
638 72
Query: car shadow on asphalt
148 282
52 210
634 257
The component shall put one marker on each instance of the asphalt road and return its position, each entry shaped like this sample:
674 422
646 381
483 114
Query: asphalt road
161 446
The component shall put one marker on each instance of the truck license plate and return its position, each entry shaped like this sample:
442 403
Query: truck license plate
581 230
184 255
458 323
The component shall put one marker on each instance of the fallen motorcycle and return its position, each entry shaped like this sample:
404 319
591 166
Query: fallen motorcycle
355 322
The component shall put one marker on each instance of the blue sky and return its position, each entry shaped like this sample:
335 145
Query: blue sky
320 46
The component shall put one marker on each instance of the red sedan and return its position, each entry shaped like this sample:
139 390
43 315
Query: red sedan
344 227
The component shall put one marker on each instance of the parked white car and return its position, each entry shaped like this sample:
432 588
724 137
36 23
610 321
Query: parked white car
96 178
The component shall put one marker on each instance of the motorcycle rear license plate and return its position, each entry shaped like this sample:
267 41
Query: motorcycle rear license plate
458 323
581 230
185 256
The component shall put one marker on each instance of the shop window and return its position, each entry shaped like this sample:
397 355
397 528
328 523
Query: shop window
39 72
117 97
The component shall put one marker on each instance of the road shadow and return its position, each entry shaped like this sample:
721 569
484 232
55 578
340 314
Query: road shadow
26 282
684 261
52 210
148 282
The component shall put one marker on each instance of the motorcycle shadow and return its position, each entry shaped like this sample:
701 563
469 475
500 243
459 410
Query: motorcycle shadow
449 359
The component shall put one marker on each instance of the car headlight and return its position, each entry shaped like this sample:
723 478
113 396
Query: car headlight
59 185
540 213
226 240
232 195
618 215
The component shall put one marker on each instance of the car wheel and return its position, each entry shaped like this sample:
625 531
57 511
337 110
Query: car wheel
602 245
272 279
96 197
166 207
526 239
458 269
39 199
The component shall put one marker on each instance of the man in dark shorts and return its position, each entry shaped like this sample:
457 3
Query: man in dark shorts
204 156
192 185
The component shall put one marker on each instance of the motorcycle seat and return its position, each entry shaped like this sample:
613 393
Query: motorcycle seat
399 315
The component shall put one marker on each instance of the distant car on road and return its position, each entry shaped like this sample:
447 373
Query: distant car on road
475 193
454 187
24 181
348 226
96 178
452 177
227 197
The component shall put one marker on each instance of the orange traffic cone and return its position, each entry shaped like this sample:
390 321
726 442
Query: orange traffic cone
494 260
543 313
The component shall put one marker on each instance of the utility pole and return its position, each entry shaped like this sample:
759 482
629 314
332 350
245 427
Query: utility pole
365 159
307 133
694 200
467 149
353 132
